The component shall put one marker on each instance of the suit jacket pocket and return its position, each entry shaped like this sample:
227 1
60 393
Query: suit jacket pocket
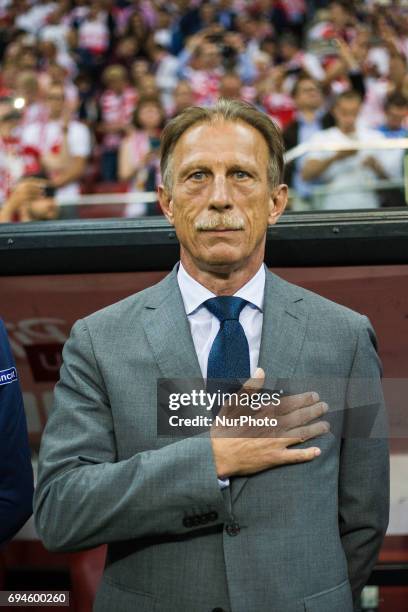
336 599
114 596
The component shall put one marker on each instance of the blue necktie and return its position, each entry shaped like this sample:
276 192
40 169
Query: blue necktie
229 355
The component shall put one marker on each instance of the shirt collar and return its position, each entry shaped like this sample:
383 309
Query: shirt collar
194 294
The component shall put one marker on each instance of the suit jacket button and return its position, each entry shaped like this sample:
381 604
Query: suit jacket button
232 529
204 519
187 521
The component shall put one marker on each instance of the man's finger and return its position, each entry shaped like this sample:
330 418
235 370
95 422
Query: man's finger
299 455
304 415
255 383
308 431
294 402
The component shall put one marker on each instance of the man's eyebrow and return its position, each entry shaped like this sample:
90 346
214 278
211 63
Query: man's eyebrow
243 168
197 166
194 166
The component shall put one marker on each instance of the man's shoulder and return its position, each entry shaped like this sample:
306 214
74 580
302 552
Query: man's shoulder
315 306
128 310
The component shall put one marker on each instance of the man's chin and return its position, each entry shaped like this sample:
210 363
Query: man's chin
222 259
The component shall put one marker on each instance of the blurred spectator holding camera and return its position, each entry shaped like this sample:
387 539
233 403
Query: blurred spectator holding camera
32 199
139 151
63 144
201 65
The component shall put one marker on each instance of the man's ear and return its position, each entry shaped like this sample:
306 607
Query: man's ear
277 203
166 203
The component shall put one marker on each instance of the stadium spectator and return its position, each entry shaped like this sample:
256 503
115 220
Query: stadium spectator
87 102
273 98
148 86
339 23
138 30
295 59
162 33
196 19
166 73
32 18
139 69
56 29
201 65
56 73
94 37
396 114
16 158
139 151
311 118
347 175
117 104
230 86
32 199
28 89
63 145
182 97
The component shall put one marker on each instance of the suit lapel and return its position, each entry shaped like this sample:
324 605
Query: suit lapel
283 332
168 332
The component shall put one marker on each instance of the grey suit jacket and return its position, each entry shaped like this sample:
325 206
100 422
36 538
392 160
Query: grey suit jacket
308 533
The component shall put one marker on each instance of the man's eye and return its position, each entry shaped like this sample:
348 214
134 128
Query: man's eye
241 174
197 176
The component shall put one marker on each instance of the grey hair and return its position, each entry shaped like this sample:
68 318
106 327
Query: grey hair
227 110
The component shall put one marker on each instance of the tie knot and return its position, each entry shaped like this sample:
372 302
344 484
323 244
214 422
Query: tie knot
225 307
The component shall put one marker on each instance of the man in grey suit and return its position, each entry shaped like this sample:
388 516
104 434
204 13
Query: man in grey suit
291 522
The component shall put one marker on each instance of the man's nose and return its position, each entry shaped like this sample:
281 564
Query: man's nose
219 196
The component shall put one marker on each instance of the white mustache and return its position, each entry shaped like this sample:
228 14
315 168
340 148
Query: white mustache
224 221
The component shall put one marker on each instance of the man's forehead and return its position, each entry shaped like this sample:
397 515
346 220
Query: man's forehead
220 139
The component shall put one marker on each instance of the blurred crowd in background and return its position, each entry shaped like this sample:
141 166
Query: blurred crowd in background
87 87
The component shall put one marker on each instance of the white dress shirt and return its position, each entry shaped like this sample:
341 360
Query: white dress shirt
204 325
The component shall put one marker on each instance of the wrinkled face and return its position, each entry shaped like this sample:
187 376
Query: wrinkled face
345 113
221 201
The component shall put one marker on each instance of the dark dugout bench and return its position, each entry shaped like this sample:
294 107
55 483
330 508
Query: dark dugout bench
52 273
